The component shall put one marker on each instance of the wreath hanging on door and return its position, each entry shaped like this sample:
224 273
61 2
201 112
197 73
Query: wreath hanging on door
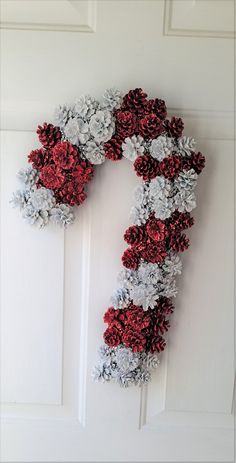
85 135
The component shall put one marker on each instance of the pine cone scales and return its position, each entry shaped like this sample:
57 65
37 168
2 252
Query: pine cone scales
113 149
135 101
158 107
198 162
174 127
170 167
150 126
146 167
179 243
48 135
134 235
39 158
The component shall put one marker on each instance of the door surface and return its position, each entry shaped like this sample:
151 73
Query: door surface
56 285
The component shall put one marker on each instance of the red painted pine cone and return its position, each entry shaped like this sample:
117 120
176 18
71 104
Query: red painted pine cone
146 167
174 127
113 148
48 135
135 101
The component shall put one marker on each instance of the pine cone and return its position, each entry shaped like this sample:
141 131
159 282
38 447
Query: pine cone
146 167
62 214
158 107
165 306
134 235
180 221
161 326
186 145
39 158
126 124
157 344
71 193
154 252
150 126
131 258
113 149
161 147
174 127
198 162
179 243
135 340
156 229
135 100
48 135
170 167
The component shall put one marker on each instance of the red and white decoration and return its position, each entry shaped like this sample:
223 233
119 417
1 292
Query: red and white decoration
85 135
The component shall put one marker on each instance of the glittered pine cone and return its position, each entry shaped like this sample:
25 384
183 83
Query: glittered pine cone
83 171
131 259
126 124
154 252
156 229
65 155
157 107
110 315
137 318
48 135
135 101
71 193
115 318
113 148
39 158
135 340
146 167
112 337
134 235
51 177
174 127
179 242
170 167
150 126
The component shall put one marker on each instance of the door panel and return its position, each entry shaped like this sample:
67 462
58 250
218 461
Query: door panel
56 284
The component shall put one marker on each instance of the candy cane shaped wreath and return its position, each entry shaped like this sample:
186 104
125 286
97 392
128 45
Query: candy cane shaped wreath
85 135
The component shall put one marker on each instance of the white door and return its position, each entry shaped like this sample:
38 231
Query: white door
56 285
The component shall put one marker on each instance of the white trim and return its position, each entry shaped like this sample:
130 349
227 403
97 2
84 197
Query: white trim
169 30
84 307
89 27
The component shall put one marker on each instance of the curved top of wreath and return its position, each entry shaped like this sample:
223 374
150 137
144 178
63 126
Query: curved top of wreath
85 134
